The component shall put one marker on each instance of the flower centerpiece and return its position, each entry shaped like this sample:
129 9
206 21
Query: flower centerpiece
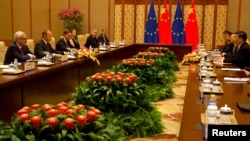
89 54
62 121
72 18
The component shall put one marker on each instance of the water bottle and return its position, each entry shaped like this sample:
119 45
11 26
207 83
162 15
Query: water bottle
90 48
15 64
212 109
212 100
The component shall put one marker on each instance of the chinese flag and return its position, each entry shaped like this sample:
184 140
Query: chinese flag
165 26
192 34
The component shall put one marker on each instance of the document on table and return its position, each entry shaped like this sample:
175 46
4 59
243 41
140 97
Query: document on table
235 79
4 66
216 62
231 69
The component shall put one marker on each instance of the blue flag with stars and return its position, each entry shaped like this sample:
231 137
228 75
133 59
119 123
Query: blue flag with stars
151 29
178 32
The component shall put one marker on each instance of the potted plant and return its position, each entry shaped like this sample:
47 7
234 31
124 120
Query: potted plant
72 18
63 122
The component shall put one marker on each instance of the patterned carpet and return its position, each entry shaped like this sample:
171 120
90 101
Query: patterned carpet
171 110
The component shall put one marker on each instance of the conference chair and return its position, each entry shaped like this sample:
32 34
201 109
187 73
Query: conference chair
3 49
30 44
53 42
81 40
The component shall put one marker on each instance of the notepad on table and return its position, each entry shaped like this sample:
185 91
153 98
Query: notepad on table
236 79
231 69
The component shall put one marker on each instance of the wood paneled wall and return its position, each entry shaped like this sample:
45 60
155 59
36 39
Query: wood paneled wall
125 19
33 16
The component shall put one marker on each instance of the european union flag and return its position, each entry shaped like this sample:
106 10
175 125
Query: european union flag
178 32
151 30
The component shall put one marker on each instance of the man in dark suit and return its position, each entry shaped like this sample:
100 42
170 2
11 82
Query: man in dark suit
103 38
18 49
63 44
43 47
241 53
92 40
228 44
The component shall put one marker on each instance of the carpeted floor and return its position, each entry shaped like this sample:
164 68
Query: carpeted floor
171 110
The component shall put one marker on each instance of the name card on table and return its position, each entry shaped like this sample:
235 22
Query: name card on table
29 65
64 58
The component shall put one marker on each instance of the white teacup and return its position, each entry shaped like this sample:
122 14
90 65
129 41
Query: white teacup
226 115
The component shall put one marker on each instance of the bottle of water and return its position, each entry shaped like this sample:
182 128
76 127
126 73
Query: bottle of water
212 100
15 64
90 48
212 110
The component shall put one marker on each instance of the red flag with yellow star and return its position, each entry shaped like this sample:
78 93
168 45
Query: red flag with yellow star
164 26
192 34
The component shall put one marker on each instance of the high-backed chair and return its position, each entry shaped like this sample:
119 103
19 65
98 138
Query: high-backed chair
30 43
248 41
53 42
81 40
3 49
85 38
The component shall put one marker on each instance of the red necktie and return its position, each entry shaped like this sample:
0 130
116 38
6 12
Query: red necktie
21 51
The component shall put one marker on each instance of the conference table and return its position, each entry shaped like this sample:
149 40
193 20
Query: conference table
192 128
55 83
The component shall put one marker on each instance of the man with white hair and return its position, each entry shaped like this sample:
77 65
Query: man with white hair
18 49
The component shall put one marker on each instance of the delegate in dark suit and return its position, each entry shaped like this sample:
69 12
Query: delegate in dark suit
41 48
240 57
103 39
91 40
228 47
13 52
63 45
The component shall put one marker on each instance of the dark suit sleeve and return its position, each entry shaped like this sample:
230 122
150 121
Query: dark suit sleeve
39 51
241 58
100 39
14 52
60 45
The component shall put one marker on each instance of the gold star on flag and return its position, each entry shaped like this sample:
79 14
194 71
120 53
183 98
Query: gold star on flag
163 10
191 10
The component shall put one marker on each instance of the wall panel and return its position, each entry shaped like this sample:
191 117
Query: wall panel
98 14
208 26
83 6
57 25
140 23
5 22
21 16
40 17
32 16
129 28
244 17
118 22
221 24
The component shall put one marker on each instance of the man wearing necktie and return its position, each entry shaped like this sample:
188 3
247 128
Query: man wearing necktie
63 44
43 46
102 38
241 53
18 49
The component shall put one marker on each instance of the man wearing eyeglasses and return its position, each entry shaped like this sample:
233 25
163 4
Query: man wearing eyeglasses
18 49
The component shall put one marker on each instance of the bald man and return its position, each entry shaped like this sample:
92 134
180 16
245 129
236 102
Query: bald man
92 40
